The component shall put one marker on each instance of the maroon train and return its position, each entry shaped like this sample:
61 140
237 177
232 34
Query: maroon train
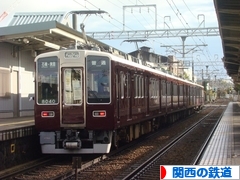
87 101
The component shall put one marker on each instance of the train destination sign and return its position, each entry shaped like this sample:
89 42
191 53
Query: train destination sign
72 54
48 64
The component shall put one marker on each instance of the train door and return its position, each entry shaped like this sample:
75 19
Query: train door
171 94
128 96
72 91
188 94
160 95
147 95
163 95
178 94
122 106
117 90
184 96
168 92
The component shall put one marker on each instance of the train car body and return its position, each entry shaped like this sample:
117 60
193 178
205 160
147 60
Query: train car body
87 101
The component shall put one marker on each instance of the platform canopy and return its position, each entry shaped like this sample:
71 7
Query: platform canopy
44 32
228 13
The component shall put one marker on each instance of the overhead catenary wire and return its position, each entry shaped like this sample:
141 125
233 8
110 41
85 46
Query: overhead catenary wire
144 10
101 15
116 22
178 13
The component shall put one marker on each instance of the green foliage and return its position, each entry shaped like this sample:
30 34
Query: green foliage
237 87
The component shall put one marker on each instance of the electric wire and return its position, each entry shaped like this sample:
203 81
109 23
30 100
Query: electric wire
169 40
202 41
102 16
144 10
188 8
179 13
174 8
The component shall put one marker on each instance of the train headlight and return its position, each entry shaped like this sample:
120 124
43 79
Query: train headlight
99 113
47 114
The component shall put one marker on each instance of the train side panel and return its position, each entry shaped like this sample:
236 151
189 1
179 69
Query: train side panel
88 101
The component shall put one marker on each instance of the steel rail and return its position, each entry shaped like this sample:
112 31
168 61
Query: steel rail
147 164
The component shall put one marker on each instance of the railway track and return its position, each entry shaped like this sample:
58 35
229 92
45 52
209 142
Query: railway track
116 165
55 168
47 168
149 169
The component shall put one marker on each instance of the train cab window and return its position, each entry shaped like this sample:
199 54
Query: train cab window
72 79
98 79
47 80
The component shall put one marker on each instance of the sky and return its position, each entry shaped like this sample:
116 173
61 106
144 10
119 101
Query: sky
169 14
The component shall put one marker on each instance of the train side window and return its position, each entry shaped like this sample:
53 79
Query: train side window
175 89
136 85
180 90
146 82
139 86
151 88
157 88
117 85
163 88
169 89
142 86
122 83
128 81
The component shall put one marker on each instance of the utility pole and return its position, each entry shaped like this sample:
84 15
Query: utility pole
183 45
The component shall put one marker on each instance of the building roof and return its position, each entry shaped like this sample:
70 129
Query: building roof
40 36
47 32
36 17
229 25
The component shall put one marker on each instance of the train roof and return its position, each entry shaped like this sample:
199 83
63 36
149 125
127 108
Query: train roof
124 61
144 67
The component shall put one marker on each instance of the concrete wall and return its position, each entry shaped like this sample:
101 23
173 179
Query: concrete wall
19 65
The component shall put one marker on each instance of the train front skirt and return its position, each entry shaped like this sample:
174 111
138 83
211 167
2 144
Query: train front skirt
49 145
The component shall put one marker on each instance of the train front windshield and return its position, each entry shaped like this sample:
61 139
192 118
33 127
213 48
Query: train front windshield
98 79
47 80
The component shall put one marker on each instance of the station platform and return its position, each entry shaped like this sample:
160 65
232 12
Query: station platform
11 128
224 146
12 123
19 141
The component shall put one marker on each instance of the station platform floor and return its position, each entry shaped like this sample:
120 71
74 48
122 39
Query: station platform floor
224 146
13 123
12 128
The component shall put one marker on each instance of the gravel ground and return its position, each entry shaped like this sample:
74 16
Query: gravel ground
115 167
